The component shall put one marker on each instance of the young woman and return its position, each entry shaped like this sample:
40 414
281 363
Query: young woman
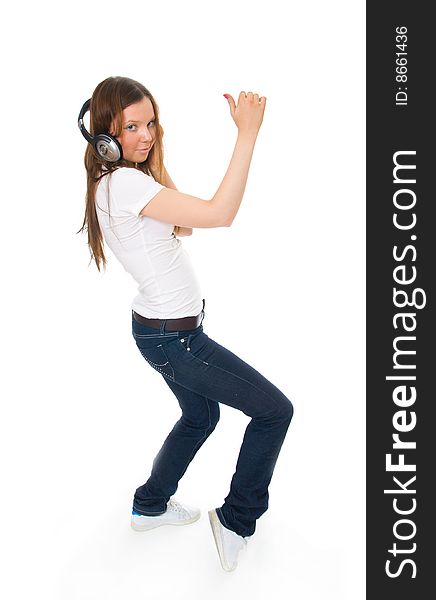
133 205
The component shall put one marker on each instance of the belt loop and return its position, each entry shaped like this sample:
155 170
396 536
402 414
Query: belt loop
162 326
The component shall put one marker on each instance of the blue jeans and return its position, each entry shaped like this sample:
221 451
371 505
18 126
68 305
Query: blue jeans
201 373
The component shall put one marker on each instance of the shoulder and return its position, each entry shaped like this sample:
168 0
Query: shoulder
130 178
125 174
131 188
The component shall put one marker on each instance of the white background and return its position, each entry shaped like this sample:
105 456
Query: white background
284 289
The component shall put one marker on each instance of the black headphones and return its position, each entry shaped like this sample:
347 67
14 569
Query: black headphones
105 146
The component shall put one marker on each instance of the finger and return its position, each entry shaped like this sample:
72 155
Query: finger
231 103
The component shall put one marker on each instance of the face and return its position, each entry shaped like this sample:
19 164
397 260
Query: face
139 131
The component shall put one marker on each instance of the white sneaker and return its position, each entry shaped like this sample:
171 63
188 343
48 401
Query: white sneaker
228 543
176 514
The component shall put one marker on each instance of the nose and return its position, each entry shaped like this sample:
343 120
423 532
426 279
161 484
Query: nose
146 135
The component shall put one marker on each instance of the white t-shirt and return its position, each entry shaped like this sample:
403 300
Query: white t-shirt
147 249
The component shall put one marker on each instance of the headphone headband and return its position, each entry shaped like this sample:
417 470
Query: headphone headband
105 146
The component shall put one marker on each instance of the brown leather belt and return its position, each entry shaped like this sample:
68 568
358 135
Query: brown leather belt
182 324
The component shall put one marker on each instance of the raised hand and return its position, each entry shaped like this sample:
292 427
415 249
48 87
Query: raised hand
248 113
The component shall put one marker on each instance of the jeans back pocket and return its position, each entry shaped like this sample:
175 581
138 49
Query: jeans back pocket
158 359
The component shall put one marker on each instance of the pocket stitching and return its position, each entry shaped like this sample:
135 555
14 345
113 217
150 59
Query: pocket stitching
191 354
157 366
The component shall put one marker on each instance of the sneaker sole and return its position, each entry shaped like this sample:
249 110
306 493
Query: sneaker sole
215 523
136 527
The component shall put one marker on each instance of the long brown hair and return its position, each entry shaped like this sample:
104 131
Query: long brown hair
108 101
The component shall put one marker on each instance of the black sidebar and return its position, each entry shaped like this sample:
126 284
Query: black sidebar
401 273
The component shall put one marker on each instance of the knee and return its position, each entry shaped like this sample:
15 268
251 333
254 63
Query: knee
290 410
214 415
286 410
208 421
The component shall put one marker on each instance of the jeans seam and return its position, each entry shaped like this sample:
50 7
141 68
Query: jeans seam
205 436
241 378
274 402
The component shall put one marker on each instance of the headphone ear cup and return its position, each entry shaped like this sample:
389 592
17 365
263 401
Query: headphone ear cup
107 147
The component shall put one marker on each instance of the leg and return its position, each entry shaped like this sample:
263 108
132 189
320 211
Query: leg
198 420
212 371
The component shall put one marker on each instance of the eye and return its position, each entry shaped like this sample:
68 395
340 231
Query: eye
131 127
152 123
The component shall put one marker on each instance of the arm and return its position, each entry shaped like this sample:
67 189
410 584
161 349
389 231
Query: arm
169 183
171 206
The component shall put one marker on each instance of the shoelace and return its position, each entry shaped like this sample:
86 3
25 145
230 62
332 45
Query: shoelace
176 507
